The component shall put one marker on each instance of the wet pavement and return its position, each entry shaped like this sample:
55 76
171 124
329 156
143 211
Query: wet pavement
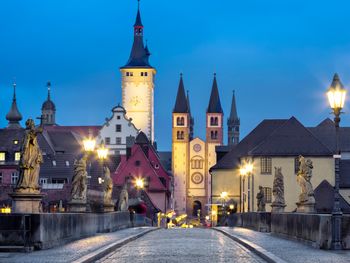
182 245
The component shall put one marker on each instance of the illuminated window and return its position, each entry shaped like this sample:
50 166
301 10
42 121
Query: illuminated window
268 194
54 163
67 163
14 178
2 156
266 165
17 156
15 141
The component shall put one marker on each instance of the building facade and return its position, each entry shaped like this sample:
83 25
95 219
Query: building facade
117 132
138 83
192 157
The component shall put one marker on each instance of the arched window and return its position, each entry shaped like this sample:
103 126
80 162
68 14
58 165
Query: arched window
180 135
214 135
180 121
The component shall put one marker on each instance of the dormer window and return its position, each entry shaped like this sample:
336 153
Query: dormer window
17 156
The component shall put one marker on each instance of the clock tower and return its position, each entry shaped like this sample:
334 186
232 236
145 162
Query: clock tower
138 83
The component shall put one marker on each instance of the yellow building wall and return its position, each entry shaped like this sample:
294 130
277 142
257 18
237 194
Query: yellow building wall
138 98
323 170
179 163
226 181
211 161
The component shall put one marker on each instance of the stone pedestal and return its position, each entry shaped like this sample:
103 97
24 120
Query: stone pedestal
306 208
78 206
277 208
107 208
26 202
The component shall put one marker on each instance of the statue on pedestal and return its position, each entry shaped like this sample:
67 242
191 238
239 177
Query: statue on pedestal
123 202
107 187
278 204
30 161
79 186
260 196
306 198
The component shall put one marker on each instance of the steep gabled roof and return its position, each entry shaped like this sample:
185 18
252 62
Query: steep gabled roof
291 139
181 103
255 137
214 105
325 132
14 116
142 138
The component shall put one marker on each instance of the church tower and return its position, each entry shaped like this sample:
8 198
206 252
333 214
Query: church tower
14 116
233 123
181 132
48 109
138 83
214 131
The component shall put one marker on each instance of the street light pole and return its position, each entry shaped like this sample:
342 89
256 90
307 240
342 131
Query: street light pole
336 96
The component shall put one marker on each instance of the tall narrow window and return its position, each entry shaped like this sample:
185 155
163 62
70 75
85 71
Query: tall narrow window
17 156
118 128
2 156
180 121
268 194
118 140
266 165
296 165
14 178
107 140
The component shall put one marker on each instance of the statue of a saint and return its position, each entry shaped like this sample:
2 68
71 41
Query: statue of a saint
278 187
304 180
30 161
107 187
123 202
79 186
260 196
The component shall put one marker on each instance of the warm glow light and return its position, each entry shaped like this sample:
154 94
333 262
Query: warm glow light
231 207
5 210
336 98
242 171
207 218
223 195
213 213
89 144
249 167
102 152
139 183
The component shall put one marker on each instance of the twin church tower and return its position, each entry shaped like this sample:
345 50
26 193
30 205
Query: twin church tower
191 156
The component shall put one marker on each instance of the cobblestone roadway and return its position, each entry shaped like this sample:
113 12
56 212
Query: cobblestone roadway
182 245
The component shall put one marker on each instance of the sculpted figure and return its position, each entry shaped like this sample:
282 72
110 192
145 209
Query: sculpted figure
304 180
79 186
260 196
278 187
123 203
261 199
30 161
107 187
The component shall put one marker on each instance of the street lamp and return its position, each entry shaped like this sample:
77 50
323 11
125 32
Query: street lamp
89 147
336 96
242 173
139 185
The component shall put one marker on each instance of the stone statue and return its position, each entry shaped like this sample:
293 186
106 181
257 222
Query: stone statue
123 202
261 199
107 186
278 204
30 161
79 186
304 179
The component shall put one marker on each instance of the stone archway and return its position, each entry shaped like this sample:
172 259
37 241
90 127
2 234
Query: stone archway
196 206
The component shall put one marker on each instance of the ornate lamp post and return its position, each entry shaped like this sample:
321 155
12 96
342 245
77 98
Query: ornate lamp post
242 172
336 96
89 146
102 153
249 169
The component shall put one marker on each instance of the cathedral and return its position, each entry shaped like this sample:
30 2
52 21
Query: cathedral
192 157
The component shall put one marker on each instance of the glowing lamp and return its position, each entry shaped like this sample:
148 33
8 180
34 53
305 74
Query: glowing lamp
89 144
336 94
249 167
139 183
102 152
223 195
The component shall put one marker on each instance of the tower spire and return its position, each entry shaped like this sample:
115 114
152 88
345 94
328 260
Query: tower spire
233 123
48 109
181 104
14 116
214 101
48 90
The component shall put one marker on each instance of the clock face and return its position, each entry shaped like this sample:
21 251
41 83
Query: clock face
197 147
135 100
197 178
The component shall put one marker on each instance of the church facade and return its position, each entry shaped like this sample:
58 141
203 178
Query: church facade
192 157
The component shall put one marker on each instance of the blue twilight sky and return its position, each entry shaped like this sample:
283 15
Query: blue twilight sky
279 56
